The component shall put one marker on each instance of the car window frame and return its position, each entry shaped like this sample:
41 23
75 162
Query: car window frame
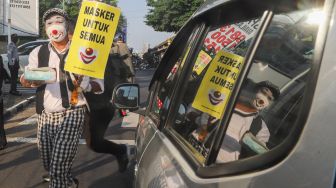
278 153
175 138
170 61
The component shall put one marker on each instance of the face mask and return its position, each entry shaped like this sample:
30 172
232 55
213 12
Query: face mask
56 32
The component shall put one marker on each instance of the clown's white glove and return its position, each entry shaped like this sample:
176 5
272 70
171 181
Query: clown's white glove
85 84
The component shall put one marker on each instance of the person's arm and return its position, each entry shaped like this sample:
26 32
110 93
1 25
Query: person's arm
263 135
92 85
10 53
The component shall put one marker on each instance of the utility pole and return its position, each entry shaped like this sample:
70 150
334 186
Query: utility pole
9 20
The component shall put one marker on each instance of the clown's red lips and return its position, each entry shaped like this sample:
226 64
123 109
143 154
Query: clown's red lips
88 55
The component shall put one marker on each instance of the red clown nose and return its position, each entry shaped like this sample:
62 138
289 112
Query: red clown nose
54 32
89 51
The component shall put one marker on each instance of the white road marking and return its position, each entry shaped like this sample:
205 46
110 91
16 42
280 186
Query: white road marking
81 141
32 120
130 121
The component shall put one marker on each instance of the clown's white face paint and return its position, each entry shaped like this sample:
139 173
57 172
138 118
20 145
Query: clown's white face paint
56 28
263 98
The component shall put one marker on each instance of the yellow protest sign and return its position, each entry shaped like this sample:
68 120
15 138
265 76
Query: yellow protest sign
91 43
216 87
202 61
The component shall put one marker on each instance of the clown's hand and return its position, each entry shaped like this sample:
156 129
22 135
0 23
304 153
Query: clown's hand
85 84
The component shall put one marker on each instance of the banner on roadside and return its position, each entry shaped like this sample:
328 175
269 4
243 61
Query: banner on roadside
92 40
24 15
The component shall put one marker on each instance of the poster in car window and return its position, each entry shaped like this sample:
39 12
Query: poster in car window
216 87
95 29
228 37
202 61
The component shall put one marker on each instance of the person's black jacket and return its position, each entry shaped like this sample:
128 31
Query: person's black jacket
114 75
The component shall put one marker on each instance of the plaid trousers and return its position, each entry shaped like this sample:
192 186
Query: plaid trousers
58 137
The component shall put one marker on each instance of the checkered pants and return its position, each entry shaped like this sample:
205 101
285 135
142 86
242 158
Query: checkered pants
58 137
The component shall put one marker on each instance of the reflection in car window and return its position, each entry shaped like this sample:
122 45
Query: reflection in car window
26 48
198 125
262 119
162 99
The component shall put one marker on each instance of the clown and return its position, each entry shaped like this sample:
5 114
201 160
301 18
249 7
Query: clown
251 101
60 105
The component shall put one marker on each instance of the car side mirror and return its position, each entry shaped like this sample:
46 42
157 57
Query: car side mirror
126 96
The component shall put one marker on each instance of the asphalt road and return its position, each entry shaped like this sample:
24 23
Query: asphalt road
21 167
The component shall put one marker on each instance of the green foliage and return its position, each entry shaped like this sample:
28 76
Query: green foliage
170 15
44 6
72 8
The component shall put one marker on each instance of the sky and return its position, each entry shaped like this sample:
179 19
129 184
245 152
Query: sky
138 33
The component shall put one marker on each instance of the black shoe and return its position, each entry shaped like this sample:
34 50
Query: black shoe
3 143
2 146
16 93
75 183
123 161
46 178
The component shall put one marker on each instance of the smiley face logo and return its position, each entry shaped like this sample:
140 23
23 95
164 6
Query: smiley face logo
215 97
87 55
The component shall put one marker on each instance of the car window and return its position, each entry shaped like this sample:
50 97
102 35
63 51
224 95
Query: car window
222 52
271 96
164 91
25 49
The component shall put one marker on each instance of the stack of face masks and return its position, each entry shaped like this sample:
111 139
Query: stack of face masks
43 74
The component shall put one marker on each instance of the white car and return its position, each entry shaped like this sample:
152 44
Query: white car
23 51
195 130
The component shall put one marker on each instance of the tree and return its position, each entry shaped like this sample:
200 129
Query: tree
170 15
43 7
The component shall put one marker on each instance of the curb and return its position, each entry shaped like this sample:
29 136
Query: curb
9 112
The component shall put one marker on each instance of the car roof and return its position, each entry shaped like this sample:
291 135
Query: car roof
33 42
260 5
208 5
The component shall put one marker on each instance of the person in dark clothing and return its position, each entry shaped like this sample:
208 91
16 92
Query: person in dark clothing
3 140
2 76
102 112
120 47
13 63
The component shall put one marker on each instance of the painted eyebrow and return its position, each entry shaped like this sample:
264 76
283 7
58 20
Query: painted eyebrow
56 18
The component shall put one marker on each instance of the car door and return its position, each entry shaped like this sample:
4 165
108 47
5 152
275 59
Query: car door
162 90
240 47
